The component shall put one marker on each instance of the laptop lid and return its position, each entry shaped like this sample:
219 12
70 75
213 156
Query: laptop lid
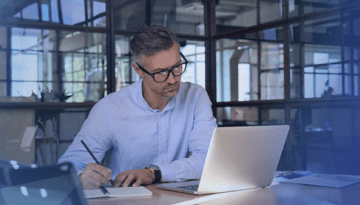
238 158
242 158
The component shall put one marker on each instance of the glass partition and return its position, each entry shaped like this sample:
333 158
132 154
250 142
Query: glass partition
235 14
90 13
236 70
326 140
270 10
125 74
194 52
182 17
84 66
272 71
77 68
237 116
319 5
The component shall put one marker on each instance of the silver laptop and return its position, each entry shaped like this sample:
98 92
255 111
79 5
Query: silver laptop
238 158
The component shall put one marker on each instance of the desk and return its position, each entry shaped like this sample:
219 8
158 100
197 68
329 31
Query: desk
276 194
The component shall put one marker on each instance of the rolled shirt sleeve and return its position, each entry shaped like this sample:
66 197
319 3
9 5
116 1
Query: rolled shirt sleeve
96 133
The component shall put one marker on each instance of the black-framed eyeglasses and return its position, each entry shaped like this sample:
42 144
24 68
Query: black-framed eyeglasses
164 74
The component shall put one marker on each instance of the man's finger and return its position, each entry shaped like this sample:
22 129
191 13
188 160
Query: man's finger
128 180
137 183
98 177
119 179
106 172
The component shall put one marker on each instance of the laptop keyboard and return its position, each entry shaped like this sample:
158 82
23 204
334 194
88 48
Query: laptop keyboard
191 187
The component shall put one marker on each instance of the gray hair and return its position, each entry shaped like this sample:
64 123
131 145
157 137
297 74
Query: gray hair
150 40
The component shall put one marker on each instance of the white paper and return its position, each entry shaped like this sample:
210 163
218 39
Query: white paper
326 180
118 192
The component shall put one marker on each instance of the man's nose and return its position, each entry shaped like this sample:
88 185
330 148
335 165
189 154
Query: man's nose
171 78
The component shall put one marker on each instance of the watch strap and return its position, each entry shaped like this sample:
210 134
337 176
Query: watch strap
156 171
157 174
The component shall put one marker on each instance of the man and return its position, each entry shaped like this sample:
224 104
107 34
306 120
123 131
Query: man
153 123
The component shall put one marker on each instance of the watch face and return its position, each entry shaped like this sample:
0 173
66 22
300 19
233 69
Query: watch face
154 167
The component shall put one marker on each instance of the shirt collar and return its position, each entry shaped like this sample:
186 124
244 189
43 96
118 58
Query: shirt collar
170 105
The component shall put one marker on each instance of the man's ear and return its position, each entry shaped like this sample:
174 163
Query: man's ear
138 70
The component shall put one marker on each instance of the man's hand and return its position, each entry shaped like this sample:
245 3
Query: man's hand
138 176
94 176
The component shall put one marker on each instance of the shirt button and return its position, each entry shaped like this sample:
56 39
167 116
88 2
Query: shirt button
163 162
162 139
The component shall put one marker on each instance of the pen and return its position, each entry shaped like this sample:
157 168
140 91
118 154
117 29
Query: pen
97 162
104 191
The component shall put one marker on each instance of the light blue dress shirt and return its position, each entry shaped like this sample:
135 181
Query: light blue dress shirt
140 136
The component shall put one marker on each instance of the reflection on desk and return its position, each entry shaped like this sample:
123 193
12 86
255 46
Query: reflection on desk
275 194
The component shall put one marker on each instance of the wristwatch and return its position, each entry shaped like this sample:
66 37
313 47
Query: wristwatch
156 170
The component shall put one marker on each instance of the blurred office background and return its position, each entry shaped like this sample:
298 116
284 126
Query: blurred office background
263 62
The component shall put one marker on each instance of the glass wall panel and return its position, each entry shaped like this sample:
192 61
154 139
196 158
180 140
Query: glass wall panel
54 17
322 74
84 63
310 6
31 61
194 52
82 42
295 83
329 134
235 14
272 116
78 71
71 12
3 39
236 70
3 65
96 13
270 10
129 15
84 76
324 31
26 39
293 8
321 54
356 80
272 71
3 87
31 12
182 17
123 69
326 136
237 116
3 61
272 34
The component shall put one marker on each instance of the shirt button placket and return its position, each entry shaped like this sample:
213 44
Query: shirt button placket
162 139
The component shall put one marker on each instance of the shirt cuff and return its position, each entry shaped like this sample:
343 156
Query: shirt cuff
167 173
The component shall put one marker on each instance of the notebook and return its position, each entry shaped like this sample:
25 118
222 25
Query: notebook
118 192
238 158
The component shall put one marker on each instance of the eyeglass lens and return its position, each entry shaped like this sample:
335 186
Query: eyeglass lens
159 77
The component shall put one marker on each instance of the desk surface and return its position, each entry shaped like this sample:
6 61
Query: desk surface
276 194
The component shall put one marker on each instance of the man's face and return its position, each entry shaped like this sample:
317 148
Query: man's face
165 59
